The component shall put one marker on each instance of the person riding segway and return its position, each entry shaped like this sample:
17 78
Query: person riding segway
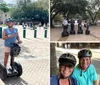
10 35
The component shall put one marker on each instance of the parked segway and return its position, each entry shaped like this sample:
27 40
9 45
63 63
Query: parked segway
16 68
72 31
87 31
80 31
65 32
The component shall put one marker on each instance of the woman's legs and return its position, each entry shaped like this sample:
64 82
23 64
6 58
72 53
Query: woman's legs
6 55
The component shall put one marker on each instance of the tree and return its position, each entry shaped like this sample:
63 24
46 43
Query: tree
98 15
42 4
93 10
30 11
66 8
3 7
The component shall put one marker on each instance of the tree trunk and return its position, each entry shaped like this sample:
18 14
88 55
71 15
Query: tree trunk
52 18
51 23
53 60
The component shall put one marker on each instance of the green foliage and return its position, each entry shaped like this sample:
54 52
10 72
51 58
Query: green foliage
42 4
67 7
29 11
93 10
3 7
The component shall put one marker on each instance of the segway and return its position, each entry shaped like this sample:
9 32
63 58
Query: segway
72 31
87 32
80 31
65 32
16 68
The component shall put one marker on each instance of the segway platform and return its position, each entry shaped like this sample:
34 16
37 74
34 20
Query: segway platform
72 32
80 32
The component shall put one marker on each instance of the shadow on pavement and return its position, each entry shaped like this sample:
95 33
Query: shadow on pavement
15 81
25 49
27 56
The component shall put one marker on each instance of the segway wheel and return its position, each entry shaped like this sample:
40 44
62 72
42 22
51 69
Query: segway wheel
64 34
74 32
70 32
87 32
3 72
18 67
67 34
78 32
81 31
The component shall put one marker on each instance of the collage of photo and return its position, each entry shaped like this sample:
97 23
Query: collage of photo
49 42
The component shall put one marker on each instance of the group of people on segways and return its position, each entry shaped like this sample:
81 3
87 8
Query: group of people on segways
11 48
72 30
84 73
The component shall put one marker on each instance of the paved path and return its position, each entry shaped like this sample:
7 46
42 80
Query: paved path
55 34
35 72
34 58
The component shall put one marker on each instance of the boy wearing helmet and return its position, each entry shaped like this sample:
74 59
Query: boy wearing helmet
66 66
85 72
10 35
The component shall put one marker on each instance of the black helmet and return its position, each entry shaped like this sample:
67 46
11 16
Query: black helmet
9 20
15 50
68 59
84 53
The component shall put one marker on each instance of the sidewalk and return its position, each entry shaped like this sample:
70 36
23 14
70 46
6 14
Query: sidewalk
35 72
34 58
55 34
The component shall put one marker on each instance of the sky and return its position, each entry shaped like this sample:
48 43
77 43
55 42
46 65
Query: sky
13 1
10 1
